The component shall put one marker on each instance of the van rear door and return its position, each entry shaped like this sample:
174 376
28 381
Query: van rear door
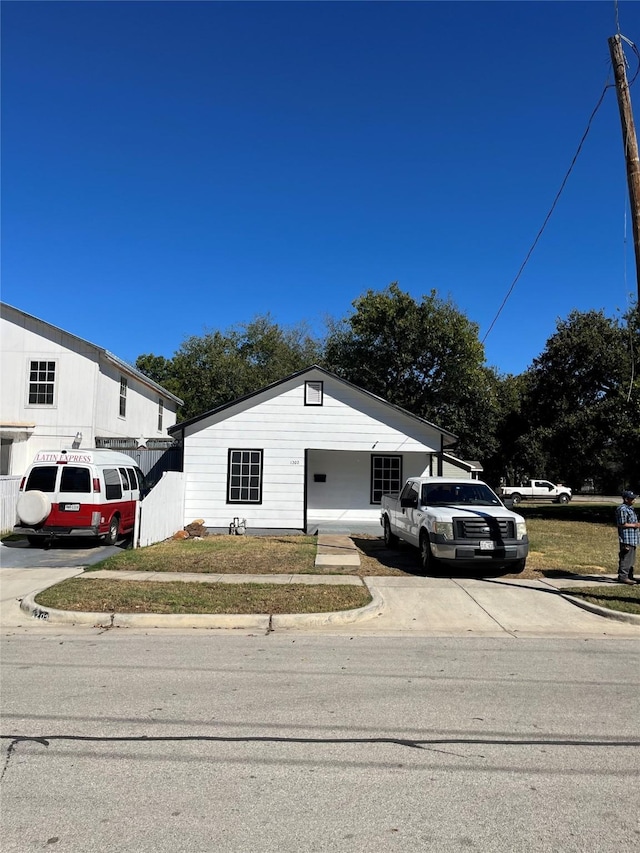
75 505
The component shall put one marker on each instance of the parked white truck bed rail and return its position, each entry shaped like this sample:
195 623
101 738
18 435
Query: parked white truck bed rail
455 523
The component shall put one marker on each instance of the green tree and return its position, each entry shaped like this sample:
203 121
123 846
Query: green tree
160 369
217 367
580 403
424 356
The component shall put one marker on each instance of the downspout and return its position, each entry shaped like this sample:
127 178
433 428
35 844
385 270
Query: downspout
441 455
305 487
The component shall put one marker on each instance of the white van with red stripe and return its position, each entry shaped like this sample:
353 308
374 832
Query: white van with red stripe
78 493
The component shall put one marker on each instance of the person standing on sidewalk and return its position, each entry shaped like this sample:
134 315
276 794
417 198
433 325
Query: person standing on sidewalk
628 527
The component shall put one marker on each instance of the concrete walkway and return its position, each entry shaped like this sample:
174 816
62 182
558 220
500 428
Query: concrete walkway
336 552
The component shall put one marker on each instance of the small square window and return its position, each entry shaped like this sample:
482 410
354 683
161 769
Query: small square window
313 393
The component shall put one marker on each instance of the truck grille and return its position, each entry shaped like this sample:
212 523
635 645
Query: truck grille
484 528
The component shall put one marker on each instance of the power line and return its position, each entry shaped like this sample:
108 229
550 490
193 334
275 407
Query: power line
562 186
551 209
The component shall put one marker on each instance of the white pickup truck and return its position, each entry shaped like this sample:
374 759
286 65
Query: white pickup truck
537 490
455 522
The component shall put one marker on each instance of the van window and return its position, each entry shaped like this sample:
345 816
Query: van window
126 481
112 485
42 478
142 483
75 479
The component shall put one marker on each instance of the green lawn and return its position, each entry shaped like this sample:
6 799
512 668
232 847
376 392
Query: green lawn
95 595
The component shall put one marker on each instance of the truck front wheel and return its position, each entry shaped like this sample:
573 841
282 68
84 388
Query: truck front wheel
563 498
390 539
426 557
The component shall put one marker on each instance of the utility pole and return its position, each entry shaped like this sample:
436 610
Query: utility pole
630 143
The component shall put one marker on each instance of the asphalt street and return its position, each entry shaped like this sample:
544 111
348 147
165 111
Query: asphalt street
468 714
206 741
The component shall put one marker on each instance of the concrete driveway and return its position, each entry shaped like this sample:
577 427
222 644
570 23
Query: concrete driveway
25 570
490 607
62 554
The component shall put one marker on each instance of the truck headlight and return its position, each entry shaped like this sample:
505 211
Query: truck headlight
521 529
444 528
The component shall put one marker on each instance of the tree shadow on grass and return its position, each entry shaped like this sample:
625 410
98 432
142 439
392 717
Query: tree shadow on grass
402 559
561 574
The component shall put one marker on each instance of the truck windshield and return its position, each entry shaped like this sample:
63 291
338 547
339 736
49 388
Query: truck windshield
469 494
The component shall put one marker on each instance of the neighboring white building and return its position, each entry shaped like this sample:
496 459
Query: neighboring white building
309 451
59 390
454 467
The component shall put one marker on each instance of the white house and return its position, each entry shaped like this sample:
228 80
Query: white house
309 451
59 390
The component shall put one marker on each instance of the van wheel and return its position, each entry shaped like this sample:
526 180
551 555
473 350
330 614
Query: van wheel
112 536
390 539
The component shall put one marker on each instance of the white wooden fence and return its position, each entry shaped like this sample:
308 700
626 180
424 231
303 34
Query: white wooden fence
161 513
9 487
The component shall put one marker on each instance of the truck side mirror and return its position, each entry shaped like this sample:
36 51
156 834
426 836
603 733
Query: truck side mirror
407 502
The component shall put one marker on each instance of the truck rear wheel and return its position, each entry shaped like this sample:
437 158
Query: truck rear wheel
390 539
516 498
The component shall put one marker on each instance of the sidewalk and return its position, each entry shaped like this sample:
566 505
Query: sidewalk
433 606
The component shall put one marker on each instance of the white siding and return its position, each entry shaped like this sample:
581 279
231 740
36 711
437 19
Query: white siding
345 495
87 386
349 422
451 470
141 418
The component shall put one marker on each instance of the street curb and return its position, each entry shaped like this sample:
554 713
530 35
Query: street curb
336 617
618 615
238 621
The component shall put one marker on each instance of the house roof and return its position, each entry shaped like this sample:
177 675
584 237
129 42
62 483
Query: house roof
470 465
448 437
124 366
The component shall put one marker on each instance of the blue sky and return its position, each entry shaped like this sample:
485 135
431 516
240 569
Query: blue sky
170 168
